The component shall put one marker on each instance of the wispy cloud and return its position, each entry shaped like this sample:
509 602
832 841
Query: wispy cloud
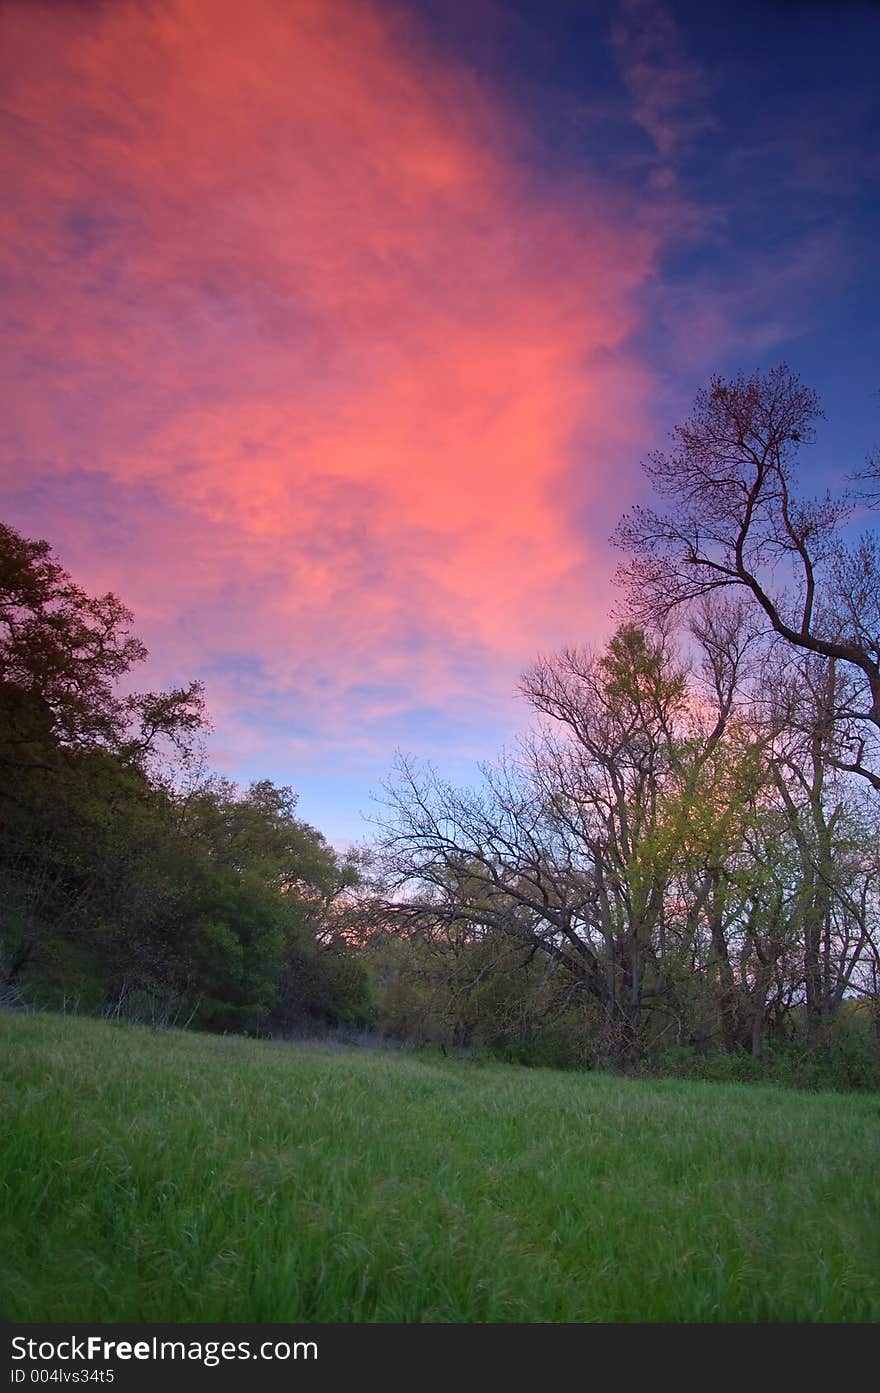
669 90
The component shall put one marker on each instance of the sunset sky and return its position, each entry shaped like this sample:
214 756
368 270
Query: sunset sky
335 331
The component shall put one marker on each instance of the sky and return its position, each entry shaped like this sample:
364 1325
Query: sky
334 331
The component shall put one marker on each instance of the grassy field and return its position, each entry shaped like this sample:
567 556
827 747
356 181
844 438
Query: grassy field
171 1176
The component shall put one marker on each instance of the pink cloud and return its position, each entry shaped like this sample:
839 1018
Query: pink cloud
321 379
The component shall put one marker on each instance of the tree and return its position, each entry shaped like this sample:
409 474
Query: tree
737 522
577 849
268 901
62 654
122 882
670 843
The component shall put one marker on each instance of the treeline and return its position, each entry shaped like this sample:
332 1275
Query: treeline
664 872
676 869
680 863
132 883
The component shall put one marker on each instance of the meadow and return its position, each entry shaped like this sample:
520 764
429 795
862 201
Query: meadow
174 1176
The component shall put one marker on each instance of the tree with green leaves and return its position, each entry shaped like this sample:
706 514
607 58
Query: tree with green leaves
121 884
62 655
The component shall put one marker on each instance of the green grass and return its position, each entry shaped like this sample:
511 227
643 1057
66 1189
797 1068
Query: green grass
171 1176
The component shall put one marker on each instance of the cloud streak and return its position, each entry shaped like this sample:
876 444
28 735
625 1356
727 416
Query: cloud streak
669 90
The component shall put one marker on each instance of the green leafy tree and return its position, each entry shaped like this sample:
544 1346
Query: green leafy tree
121 884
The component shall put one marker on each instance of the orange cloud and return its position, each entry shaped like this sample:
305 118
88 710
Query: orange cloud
308 364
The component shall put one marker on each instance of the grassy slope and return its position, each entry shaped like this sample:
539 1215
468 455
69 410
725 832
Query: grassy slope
183 1177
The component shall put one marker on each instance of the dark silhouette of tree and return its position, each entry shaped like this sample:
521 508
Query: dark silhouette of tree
62 654
737 521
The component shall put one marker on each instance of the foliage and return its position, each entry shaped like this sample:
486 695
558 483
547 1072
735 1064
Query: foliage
130 884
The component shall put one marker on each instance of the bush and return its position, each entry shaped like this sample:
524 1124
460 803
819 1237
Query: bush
845 1058
685 1062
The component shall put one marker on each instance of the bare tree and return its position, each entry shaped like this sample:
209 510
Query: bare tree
737 522
580 844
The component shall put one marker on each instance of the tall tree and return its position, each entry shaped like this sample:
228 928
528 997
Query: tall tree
739 522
